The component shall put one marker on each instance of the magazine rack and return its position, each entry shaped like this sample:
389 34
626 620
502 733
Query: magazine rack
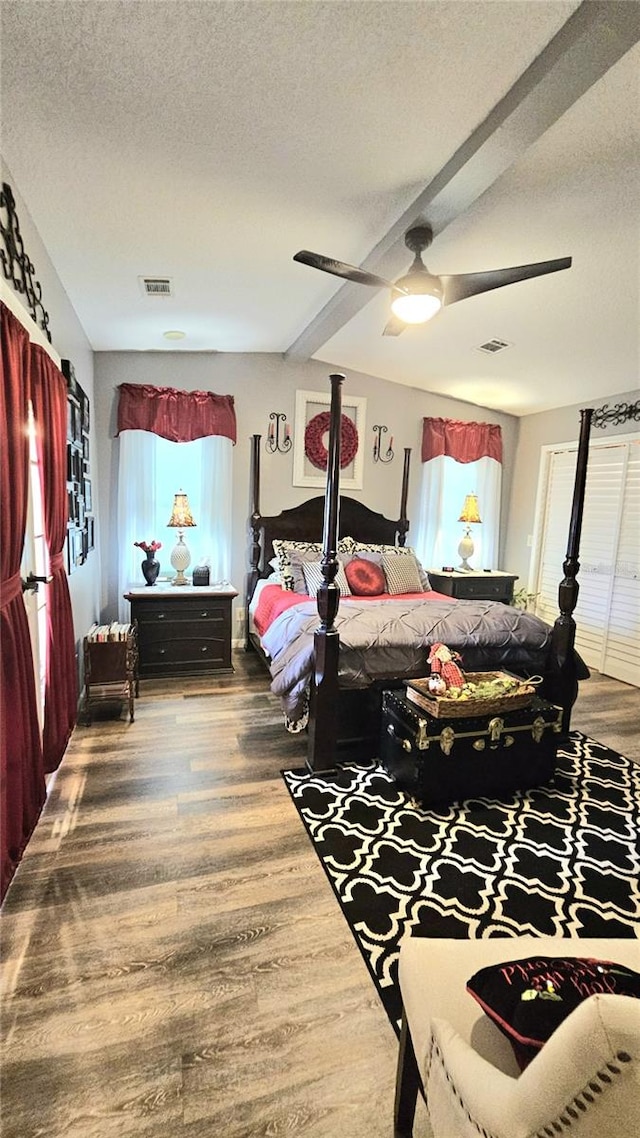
111 665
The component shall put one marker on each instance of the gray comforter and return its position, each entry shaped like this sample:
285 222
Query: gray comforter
391 638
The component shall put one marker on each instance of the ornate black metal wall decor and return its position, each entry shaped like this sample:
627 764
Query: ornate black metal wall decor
378 431
620 413
274 443
17 266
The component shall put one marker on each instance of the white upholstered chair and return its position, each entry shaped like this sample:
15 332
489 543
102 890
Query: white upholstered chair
585 1082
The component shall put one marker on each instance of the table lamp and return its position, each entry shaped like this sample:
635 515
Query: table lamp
180 519
471 515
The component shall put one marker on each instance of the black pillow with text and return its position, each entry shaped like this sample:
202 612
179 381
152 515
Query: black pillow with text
528 999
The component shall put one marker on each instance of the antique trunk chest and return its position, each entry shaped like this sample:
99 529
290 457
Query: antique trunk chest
446 760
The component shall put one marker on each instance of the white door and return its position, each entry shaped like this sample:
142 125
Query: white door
607 614
621 655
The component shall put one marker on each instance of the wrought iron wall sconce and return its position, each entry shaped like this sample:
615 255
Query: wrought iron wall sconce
378 431
620 413
17 266
275 444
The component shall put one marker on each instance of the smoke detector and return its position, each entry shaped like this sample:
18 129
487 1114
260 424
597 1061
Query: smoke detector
156 286
493 346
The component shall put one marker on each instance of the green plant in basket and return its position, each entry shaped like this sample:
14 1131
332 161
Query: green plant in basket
486 689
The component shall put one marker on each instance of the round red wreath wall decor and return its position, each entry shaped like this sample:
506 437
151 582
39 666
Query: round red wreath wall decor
314 447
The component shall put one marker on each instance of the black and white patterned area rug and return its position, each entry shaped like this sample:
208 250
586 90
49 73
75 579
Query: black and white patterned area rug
562 860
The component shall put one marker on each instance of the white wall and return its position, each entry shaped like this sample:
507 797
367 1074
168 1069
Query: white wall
536 431
70 342
261 383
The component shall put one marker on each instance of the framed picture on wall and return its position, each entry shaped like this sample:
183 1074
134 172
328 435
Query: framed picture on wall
75 554
78 549
86 489
311 435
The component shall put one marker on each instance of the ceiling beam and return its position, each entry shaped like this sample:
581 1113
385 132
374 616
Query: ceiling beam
592 40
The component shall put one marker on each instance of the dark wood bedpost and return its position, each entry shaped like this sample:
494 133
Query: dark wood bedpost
323 717
563 682
254 552
403 521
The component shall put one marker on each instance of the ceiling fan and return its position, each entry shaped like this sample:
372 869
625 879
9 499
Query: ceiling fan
418 295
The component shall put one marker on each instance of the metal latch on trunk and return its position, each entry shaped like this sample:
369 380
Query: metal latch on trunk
422 738
404 743
447 736
495 727
537 728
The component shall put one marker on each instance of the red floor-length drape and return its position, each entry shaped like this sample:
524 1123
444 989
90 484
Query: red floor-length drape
21 767
49 397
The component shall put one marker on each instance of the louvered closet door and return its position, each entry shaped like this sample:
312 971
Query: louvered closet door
622 650
607 614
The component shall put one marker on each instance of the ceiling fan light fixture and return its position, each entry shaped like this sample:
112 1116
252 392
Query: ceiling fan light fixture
421 295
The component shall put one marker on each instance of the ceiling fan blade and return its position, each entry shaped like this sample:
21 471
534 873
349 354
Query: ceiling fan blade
340 269
472 284
394 326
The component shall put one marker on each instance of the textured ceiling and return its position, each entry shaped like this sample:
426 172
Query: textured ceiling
210 141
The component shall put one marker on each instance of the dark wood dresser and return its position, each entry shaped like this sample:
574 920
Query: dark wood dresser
182 631
477 585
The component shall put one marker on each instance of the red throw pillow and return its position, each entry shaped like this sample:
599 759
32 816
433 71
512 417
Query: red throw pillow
366 579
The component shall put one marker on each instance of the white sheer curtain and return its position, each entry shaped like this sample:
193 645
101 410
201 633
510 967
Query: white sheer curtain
445 483
151 470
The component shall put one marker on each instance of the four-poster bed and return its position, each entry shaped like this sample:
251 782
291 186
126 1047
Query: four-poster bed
337 670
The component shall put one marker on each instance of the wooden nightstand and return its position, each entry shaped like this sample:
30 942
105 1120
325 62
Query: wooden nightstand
474 586
182 631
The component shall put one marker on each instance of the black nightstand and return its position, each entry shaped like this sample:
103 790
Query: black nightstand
474 586
182 631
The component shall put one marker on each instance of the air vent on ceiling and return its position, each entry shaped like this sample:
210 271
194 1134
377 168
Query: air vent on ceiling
156 286
493 346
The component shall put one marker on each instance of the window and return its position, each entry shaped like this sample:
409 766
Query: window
151 471
459 458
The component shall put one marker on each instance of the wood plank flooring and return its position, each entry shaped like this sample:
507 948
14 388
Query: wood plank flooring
175 964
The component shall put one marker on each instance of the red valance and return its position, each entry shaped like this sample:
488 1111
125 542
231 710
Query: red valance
464 442
180 416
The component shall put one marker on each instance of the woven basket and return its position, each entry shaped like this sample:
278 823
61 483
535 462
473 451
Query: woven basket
443 707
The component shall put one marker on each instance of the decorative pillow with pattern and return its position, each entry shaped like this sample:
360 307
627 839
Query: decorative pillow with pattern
402 574
313 578
528 999
366 577
395 551
291 556
346 545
